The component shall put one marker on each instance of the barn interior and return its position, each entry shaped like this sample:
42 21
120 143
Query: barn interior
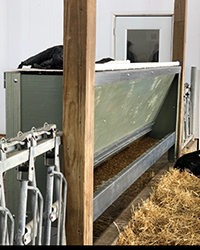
79 140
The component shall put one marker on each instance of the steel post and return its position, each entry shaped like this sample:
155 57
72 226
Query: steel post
22 212
48 206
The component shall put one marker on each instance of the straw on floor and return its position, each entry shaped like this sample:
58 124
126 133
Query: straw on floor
170 217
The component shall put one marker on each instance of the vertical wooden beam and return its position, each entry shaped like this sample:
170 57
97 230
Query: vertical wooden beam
179 48
78 117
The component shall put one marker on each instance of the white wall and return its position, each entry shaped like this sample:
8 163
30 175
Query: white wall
193 52
26 28
30 26
107 9
193 37
3 60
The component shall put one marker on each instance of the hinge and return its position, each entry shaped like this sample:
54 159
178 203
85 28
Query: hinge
4 80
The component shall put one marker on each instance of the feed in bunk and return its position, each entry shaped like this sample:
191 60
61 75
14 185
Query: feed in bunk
189 162
121 160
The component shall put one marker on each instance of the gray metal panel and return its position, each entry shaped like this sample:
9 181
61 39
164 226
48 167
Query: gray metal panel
13 104
108 193
31 100
13 125
108 77
41 100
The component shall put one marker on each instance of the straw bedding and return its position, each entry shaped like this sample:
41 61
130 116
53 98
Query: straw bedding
171 216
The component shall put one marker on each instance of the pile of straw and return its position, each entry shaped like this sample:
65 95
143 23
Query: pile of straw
171 216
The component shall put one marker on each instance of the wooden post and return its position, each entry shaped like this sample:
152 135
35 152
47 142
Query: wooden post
179 47
78 117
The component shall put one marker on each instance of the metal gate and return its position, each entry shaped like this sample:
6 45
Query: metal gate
21 152
190 91
187 115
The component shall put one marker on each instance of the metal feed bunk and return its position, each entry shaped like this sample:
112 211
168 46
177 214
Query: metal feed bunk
128 105
131 100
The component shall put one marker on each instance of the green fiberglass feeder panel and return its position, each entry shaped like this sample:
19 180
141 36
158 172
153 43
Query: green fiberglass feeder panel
127 102
123 107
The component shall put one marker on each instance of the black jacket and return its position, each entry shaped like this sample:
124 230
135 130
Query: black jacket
51 58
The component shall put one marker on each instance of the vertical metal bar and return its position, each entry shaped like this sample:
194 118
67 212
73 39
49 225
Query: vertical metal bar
4 229
57 159
34 227
33 184
189 115
40 220
32 175
2 192
34 206
35 219
11 227
63 239
8 214
186 114
194 74
59 202
57 166
22 212
48 206
184 121
59 177
3 204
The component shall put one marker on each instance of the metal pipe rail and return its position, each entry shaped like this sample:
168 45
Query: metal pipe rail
187 116
21 152
5 214
189 108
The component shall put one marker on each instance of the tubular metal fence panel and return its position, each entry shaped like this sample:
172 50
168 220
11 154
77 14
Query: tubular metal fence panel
21 152
187 115
190 91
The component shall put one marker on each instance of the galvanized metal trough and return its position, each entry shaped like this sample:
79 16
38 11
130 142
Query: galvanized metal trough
131 100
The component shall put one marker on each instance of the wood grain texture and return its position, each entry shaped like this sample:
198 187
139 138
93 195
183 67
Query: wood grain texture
179 49
78 117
